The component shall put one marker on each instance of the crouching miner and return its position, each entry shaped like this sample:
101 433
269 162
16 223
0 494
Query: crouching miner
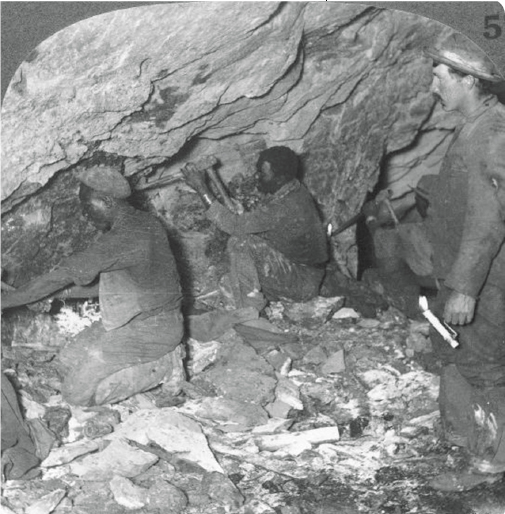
131 269
279 249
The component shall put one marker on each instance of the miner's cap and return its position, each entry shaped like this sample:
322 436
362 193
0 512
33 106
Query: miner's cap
107 180
461 54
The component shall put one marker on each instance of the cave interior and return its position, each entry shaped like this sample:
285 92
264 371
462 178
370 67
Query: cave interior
148 89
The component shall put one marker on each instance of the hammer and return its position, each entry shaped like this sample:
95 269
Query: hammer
201 164
205 163
216 180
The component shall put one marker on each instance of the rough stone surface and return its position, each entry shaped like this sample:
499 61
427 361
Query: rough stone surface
172 431
128 494
238 364
232 411
344 85
166 497
335 363
117 459
384 405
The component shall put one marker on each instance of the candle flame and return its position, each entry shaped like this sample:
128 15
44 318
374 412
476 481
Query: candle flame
423 303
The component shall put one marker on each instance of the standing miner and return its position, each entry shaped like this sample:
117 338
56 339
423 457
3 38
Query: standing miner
464 252
278 250
130 267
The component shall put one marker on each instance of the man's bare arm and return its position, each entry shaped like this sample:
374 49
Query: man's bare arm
75 292
36 289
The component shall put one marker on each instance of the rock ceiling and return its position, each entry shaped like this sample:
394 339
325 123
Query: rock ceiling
344 85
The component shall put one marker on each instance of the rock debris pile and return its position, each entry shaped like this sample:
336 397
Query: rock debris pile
315 407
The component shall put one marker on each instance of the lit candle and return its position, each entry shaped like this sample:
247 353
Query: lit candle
445 331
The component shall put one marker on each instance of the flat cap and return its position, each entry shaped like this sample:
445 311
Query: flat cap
107 180
462 54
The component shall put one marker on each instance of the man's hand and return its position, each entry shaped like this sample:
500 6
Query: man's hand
194 177
459 309
9 300
379 210
41 306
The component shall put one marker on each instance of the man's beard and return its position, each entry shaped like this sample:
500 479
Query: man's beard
270 186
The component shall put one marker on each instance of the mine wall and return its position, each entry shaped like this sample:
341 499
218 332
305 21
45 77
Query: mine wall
335 410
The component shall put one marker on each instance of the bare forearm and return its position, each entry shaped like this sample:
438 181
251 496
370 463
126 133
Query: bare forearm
37 289
197 179
403 204
75 292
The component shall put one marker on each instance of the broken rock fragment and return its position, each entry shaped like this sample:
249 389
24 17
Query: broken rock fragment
319 307
232 411
211 325
221 489
417 342
334 364
173 432
287 398
316 355
46 504
264 336
288 392
275 442
239 373
128 494
346 313
201 355
69 452
166 497
279 360
279 409
273 426
119 458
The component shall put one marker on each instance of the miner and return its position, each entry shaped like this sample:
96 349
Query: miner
279 249
131 268
464 254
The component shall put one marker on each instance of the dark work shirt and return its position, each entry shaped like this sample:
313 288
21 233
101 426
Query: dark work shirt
136 267
465 219
289 222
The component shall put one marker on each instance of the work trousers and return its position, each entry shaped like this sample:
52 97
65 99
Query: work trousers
102 366
472 389
19 453
259 273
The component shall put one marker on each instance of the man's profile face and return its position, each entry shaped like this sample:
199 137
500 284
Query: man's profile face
94 209
265 176
448 89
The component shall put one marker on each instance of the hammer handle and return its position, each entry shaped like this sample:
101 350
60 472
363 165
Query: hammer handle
200 164
216 180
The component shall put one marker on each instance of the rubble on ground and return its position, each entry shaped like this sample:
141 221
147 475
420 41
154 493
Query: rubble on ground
315 409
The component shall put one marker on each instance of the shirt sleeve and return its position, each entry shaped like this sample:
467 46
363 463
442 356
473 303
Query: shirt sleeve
113 250
254 222
497 170
484 228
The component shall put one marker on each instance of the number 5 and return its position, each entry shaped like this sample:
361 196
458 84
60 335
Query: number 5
494 26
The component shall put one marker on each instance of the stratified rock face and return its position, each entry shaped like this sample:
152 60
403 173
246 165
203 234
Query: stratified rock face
344 85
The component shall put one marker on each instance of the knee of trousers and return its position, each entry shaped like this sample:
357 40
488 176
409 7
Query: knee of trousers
141 377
